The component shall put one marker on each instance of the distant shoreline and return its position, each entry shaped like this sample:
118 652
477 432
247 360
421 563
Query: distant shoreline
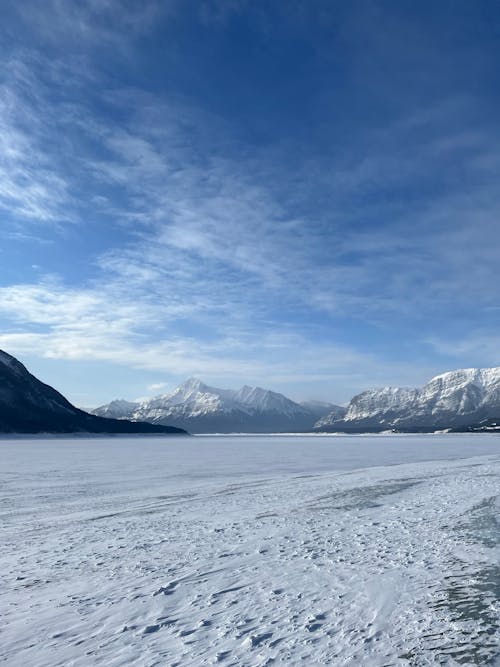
86 436
322 434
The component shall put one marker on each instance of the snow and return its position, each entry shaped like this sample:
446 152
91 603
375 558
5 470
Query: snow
118 409
250 551
193 398
460 393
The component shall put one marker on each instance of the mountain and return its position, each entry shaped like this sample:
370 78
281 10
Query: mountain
30 406
321 409
117 410
462 400
458 400
200 408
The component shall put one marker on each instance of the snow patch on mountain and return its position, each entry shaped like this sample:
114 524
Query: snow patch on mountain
449 400
118 409
202 408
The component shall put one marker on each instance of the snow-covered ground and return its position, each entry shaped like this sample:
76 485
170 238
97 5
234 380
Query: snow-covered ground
250 551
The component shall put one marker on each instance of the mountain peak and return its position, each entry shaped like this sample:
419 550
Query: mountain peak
482 376
450 400
192 384
188 391
208 409
11 363
27 405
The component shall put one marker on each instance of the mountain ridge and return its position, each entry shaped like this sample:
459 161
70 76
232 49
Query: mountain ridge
463 399
452 400
201 408
28 405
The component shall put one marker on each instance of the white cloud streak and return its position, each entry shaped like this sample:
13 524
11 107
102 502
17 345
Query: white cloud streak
92 326
226 248
31 185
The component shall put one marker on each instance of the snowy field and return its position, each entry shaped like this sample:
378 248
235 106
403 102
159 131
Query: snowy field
250 551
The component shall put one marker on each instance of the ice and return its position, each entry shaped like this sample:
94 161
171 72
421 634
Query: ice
250 551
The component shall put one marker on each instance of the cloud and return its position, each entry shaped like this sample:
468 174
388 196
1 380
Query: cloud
157 386
31 185
479 349
210 214
96 24
54 322
218 255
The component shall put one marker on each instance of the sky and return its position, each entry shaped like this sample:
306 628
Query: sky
300 195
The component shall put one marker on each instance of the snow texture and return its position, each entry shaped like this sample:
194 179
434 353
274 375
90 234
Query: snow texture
372 550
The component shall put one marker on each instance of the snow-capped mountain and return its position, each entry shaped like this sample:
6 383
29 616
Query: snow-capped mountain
30 406
117 410
451 400
203 409
321 409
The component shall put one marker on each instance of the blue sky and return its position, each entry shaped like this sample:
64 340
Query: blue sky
300 195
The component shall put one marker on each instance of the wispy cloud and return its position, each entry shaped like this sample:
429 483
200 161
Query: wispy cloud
82 325
478 348
100 24
215 251
31 185
219 254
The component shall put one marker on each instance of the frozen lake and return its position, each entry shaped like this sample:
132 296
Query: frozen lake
250 550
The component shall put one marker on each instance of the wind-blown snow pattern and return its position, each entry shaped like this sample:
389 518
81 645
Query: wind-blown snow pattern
250 551
454 399
201 408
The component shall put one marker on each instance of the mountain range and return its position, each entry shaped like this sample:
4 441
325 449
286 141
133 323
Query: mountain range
200 408
30 406
461 400
465 399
